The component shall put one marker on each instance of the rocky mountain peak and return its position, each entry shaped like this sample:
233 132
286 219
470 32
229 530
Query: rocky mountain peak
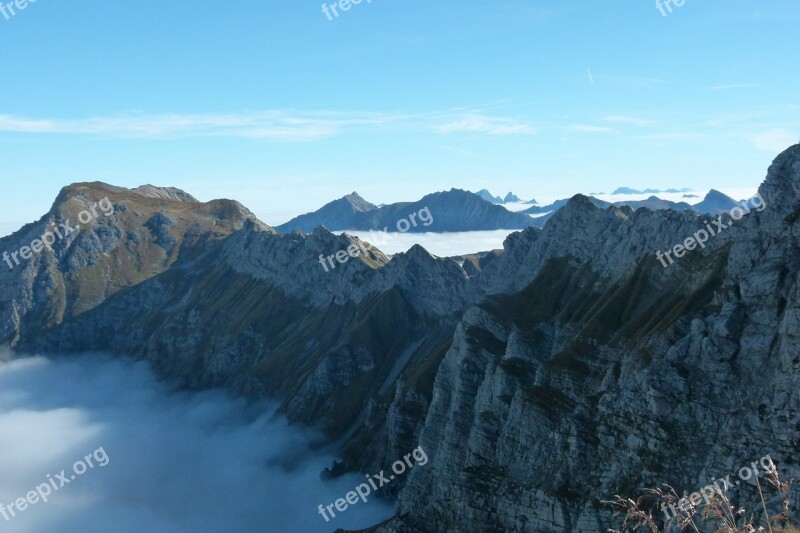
358 203
168 193
418 253
577 206
781 188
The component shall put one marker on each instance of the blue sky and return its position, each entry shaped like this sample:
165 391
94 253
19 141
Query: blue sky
274 105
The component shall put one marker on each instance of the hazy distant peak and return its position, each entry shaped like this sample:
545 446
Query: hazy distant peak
713 193
335 215
489 197
358 203
509 198
628 190
715 202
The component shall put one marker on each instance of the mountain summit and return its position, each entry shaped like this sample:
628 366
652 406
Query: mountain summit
334 215
715 203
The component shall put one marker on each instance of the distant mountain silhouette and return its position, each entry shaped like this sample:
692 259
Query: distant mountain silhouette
509 198
628 190
454 210
334 214
654 202
715 203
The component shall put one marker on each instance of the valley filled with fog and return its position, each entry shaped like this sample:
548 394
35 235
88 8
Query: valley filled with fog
176 461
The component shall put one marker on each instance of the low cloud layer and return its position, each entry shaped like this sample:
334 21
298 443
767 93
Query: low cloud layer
441 244
178 461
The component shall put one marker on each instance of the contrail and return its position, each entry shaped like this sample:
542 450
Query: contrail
591 79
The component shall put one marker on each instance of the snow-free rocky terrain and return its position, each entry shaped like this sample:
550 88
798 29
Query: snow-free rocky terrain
567 369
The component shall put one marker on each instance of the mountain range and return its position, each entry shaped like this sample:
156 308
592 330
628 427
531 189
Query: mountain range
453 210
714 203
458 210
541 380
628 190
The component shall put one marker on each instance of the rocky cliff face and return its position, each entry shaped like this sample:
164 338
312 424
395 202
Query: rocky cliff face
571 367
608 372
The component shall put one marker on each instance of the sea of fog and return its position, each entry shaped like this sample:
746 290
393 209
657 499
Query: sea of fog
440 244
468 242
171 461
